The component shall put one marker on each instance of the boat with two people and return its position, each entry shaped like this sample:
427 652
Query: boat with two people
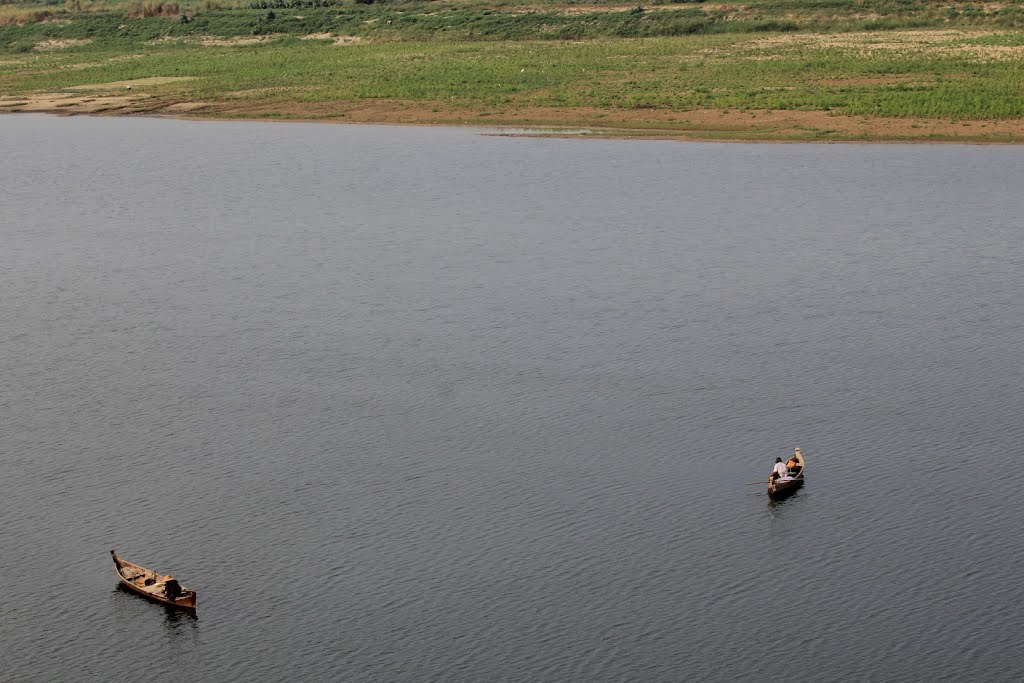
785 480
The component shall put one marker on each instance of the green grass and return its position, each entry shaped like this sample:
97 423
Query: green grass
500 58
663 73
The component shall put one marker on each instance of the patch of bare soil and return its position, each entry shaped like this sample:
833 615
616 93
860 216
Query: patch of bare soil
46 45
335 40
828 126
941 42
698 124
183 107
137 82
214 41
89 65
626 7
778 126
66 103
874 80
594 9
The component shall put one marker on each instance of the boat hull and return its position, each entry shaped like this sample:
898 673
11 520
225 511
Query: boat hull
784 489
149 584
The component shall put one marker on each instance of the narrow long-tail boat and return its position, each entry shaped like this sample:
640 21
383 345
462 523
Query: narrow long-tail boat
161 588
779 488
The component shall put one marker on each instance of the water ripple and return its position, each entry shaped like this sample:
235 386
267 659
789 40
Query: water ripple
498 424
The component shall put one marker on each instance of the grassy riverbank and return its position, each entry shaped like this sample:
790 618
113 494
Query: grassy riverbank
772 70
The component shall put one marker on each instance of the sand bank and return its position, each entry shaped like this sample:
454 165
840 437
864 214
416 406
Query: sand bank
122 98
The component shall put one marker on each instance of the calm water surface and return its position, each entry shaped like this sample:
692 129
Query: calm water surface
420 404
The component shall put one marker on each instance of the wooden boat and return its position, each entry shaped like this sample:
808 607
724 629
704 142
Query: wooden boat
779 489
160 588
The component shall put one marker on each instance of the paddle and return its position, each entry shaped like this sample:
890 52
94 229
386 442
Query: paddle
756 482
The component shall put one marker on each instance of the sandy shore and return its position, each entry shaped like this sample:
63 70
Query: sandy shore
121 99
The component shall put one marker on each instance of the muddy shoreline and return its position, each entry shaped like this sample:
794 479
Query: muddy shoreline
122 99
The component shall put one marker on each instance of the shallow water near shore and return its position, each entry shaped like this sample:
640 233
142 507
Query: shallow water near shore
410 404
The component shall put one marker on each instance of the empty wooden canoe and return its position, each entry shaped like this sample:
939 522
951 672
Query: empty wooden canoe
161 588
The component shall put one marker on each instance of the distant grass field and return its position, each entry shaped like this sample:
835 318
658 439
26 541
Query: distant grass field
489 19
636 67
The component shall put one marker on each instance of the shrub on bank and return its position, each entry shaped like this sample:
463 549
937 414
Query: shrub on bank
137 10
476 20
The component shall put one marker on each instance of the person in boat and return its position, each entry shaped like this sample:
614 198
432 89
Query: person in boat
778 471
793 464
172 589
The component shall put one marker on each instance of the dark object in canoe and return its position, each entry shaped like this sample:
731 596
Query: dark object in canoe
777 490
160 588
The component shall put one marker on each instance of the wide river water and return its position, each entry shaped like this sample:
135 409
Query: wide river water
411 404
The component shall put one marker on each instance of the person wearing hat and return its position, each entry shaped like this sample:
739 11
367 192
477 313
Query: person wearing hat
778 471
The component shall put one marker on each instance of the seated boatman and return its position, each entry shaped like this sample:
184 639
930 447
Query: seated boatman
172 589
778 471
793 464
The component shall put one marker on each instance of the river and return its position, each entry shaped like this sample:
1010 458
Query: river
410 404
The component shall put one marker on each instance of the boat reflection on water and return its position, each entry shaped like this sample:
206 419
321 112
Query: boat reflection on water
176 621
775 505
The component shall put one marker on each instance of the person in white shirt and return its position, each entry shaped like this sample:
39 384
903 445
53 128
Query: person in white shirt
779 471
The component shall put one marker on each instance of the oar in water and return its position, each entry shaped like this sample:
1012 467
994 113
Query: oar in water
757 482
